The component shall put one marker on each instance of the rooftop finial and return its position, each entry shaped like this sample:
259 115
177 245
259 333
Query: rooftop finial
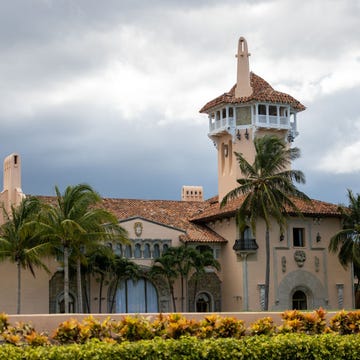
243 87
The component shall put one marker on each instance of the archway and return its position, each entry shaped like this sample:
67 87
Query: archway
299 300
204 303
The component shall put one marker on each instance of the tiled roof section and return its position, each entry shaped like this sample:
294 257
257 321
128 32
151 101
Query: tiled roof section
310 208
174 214
262 91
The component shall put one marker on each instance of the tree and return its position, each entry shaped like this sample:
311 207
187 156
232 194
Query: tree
268 190
20 240
201 261
122 268
165 267
75 224
346 242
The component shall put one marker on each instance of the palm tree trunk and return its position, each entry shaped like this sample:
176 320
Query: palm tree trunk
173 298
100 292
114 295
18 287
182 293
79 287
267 269
66 278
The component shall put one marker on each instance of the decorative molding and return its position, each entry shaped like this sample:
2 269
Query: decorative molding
300 257
138 228
283 264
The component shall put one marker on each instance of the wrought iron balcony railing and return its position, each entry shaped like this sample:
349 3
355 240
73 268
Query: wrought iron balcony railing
245 245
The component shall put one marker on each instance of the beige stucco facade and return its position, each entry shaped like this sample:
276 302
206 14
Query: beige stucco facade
302 271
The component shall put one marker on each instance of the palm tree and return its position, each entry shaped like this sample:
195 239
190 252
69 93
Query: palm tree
20 240
347 241
165 267
75 224
122 267
201 261
268 189
99 262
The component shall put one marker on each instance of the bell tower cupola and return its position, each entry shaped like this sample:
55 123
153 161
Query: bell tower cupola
251 108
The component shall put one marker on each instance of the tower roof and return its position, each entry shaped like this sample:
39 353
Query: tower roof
261 91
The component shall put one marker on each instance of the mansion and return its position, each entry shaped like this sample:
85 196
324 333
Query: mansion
303 274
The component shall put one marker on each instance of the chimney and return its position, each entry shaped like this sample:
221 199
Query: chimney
243 87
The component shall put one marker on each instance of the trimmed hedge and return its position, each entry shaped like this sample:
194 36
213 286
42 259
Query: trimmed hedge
282 346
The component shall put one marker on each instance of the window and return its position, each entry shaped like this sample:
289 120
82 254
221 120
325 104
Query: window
128 252
262 110
299 301
204 248
136 297
137 251
165 248
147 251
272 110
156 251
118 250
299 237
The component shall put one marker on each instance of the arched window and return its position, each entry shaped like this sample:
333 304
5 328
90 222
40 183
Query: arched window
203 303
138 296
137 251
118 250
147 251
165 248
60 306
299 300
156 251
128 252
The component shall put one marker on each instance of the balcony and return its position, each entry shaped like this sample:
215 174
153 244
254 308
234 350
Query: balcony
245 246
221 125
273 121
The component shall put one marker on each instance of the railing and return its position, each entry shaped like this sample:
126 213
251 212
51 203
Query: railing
245 245
221 124
282 122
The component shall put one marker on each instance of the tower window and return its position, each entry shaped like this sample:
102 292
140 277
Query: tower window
299 237
262 110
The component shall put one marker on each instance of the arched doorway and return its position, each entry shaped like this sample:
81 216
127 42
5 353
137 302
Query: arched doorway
203 303
136 296
299 300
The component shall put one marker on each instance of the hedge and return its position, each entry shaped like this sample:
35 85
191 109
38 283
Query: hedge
281 346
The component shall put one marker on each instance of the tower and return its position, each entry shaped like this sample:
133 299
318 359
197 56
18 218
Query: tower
250 109
12 193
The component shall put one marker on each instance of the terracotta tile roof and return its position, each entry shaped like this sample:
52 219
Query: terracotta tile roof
174 214
262 91
311 208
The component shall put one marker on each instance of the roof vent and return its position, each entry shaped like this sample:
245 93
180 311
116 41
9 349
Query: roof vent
192 193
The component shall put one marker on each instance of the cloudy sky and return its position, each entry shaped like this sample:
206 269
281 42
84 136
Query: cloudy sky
108 92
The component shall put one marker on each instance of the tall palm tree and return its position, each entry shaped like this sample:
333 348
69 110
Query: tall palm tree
76 223
268 190
347 241
20 240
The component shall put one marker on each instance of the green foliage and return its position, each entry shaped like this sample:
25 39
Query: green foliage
285 346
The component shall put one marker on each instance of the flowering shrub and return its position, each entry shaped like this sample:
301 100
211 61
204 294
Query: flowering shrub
264 326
